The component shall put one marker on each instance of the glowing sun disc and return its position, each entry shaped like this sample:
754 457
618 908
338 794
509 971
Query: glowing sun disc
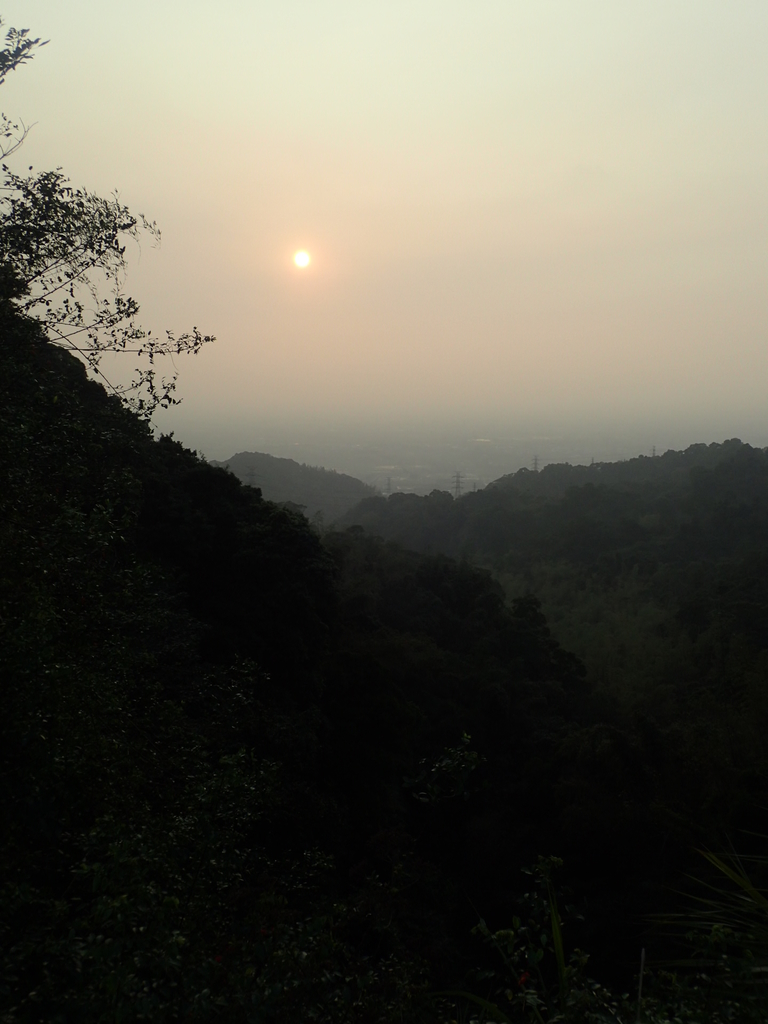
301 259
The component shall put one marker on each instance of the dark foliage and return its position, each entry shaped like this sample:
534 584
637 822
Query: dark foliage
323 495
218 734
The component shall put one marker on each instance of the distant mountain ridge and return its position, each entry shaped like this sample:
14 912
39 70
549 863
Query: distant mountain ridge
663 507
314 488
668 469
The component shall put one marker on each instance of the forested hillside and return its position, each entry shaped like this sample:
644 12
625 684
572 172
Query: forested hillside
653 572
666 552
654 576
251 776
707 501
323 494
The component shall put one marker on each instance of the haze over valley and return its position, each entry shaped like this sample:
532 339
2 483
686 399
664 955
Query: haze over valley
419 457
521 219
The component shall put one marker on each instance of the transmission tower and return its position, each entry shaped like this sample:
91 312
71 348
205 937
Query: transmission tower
535 463
457 478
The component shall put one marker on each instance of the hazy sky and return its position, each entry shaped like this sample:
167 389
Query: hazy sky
514 209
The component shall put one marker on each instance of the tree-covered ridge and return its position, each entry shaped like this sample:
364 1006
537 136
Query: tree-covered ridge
125 783
655 579
250 775
324 494
645 576
710 501
209 726
669 469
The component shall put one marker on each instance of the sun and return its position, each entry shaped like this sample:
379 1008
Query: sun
301 259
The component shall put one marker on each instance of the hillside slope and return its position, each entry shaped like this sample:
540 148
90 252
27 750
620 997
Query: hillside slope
234 782
319 491
248 775
653 572
707 501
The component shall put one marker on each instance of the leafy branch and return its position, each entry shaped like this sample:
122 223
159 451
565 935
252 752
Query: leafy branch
19 48
61 250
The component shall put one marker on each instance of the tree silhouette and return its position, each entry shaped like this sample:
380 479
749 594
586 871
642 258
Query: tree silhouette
63 259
